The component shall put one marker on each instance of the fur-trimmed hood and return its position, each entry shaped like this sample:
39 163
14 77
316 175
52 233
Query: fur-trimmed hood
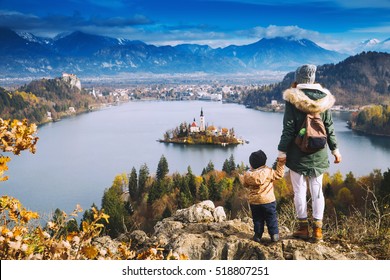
304 103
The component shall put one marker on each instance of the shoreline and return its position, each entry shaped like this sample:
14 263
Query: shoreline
357 130
178 142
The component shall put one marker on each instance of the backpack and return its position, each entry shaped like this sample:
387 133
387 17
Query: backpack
312 134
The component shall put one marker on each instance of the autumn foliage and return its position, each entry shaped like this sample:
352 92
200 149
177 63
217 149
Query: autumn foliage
19 240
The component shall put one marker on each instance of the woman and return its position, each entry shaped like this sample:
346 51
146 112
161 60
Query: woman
306 97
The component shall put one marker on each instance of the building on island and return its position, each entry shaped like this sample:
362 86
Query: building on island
202 126
194 128
209 130
193 133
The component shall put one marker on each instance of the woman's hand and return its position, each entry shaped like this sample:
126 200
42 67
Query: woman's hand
337 158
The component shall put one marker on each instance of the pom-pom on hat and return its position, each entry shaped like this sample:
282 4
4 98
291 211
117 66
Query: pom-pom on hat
305 74
257 159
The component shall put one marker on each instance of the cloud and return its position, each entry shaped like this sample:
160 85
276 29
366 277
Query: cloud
374 29
120 21
273 31
51 25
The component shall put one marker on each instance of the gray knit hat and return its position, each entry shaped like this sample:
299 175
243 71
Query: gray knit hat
305 74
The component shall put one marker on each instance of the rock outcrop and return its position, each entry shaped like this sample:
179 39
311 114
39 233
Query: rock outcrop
202 232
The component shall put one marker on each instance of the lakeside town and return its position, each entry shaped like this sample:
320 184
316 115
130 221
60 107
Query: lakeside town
217 92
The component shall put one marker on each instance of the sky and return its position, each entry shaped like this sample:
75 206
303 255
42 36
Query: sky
335 24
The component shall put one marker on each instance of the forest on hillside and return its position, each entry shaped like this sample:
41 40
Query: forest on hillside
139 200
356 81
372 119
34 100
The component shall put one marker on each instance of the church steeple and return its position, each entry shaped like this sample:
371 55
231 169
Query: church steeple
202 127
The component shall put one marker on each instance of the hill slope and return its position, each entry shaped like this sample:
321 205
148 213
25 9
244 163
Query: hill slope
358 80
35 100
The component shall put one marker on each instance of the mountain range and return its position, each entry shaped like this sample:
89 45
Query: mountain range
374 45
24 54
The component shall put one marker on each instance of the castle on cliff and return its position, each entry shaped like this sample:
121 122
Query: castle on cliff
71 79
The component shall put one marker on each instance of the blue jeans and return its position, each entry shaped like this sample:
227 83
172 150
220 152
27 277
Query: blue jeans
265 214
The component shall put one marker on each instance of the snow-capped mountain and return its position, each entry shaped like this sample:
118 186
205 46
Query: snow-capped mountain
374 45
88 54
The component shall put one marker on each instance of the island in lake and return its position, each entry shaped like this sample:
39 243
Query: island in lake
194 134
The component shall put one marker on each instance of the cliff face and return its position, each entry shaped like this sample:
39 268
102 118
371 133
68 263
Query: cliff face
202 232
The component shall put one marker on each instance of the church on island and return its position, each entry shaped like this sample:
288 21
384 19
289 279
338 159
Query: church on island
209 130
201 134
194 128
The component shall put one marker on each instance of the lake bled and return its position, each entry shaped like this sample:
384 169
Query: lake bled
78 157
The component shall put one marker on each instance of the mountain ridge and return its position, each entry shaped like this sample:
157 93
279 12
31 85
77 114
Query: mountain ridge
88 54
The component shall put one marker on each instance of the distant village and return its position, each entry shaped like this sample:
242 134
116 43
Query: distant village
215 91
207 92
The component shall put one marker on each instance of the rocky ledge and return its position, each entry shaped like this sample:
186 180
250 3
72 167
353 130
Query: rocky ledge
202 232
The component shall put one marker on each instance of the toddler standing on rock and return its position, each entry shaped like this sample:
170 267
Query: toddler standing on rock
259 182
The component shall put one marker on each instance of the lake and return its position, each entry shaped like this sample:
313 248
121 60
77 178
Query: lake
78 157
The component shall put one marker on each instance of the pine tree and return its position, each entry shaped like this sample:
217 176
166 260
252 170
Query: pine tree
191 183
162 168
210 167
114 206
154 192
350 181
214 190
229 165
185 198
133 185
232 164
226 166
203 192
142 179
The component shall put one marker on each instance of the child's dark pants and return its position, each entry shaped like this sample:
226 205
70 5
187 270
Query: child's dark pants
265 213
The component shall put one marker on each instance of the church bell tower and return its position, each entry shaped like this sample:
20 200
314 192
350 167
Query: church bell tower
202 127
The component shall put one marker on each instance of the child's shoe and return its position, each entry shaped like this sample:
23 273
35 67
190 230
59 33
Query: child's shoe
275 237
257 237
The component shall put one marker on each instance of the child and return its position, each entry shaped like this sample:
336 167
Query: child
259 182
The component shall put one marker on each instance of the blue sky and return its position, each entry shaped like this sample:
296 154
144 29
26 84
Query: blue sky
334 24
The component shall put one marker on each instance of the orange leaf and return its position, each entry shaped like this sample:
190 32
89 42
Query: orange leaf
90 252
